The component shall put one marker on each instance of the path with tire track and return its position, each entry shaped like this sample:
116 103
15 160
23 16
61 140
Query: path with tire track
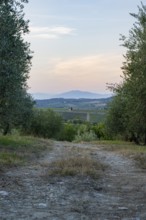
119 194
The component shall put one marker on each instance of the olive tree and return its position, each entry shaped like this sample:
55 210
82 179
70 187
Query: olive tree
132 91
15 62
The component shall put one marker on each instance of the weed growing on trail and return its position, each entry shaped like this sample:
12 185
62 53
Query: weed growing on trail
76 163
76 166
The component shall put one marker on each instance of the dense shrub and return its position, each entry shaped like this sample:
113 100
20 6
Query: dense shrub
84 133
68 132
45 123
86 136
99 130
48 124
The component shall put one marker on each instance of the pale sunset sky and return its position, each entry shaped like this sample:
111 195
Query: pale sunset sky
76 43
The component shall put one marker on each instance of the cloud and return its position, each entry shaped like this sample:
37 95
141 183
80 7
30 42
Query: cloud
50 32
89 73
102 66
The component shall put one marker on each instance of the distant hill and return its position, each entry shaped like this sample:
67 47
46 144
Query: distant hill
77 94
76 104
74 94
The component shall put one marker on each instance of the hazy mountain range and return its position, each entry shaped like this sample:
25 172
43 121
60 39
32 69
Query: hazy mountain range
74 94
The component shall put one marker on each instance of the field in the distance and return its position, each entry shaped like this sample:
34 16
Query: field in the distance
91 110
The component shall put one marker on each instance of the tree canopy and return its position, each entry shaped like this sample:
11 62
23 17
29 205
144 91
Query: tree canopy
15 63
127 114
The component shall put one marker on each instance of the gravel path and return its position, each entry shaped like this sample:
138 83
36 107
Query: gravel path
25 192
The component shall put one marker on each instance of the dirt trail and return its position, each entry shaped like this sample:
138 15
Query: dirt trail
119 194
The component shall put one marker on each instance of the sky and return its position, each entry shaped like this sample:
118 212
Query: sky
76 43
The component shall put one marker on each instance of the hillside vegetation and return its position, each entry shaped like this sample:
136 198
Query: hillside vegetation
77 104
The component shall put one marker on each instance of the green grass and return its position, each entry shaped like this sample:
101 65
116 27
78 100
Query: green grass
15 142
16 150
10 159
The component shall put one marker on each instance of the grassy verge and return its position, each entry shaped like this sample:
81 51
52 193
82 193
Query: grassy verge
136 152
76 162
16 150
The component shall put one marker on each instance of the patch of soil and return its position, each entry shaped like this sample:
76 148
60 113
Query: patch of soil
27 193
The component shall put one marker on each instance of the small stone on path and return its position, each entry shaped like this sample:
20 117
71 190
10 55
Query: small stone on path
4 193
42 205
123 208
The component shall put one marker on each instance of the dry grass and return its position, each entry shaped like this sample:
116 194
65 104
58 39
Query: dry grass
76 162
16 150
136 152
76 166
10 159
